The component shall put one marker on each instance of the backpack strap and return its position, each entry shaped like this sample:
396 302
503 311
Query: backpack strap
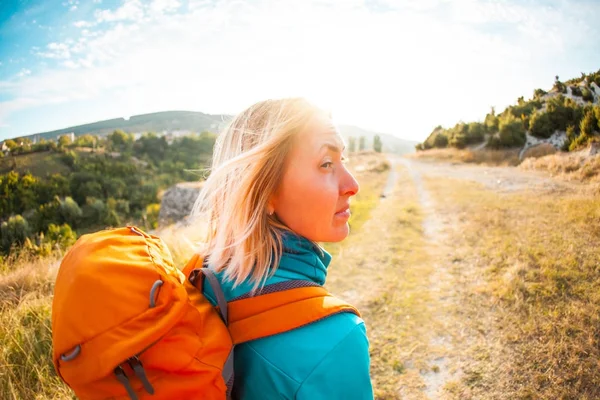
273 309
252 318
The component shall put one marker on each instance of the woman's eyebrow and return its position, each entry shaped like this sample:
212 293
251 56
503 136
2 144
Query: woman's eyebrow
332 147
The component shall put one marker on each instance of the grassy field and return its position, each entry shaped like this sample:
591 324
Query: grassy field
532 262
39 164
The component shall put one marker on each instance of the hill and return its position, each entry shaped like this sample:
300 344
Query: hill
566 117
165 121
184 122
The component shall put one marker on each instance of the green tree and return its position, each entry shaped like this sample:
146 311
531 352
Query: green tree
46 214
491 121
587 95
539 93
351 144
589 123
64 141
86 140
13 232
512 132
475 132
361 143
120 141
540 125
11 144
440 140
377 145
70 212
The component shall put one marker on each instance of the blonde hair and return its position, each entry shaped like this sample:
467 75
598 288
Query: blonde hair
249 156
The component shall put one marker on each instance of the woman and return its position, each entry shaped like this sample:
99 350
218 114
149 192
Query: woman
278 186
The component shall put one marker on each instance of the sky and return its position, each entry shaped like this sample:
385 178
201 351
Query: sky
394 66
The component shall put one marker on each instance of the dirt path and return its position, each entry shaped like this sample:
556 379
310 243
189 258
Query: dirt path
403 271
499 179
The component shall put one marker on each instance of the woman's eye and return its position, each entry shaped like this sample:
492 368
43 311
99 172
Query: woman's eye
328 164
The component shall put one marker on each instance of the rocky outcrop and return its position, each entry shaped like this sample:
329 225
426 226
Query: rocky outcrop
177 202
558 139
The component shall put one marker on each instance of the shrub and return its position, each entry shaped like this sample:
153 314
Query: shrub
539 93
512 132
587 95
458 140
70 211
576 91
475 132
151 215
589 123
60 236
440 140
69 158
540 125
491 122
13 232
559 87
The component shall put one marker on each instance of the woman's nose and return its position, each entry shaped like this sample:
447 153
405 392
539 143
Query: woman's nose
348 185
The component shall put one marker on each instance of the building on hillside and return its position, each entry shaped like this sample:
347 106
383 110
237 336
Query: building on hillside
4 148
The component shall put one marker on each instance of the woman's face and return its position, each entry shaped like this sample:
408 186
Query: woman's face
314 196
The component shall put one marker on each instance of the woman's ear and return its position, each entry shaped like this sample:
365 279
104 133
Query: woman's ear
271 205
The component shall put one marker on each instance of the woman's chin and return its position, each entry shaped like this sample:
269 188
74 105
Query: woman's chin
338 234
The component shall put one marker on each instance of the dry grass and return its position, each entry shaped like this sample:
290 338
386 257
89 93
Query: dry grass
538 300
486 157
571 166
540 150
26 370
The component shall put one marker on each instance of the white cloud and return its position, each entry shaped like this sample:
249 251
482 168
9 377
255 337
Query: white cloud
163 6
83 24
56 51
130 10
384 67
24 72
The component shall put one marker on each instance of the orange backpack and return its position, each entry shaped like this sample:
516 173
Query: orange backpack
127 324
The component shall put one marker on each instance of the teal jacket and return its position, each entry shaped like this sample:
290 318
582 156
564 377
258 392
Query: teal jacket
328 359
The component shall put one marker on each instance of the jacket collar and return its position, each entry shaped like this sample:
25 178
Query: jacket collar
304 257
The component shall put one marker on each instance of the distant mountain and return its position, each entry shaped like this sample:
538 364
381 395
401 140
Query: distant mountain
166 121
182 122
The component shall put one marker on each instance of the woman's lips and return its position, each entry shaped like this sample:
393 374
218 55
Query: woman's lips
345 213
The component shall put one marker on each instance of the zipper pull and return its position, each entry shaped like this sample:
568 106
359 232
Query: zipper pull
138 368
122 377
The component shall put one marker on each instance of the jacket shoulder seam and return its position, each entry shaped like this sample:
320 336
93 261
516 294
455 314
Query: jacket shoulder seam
327 355
249 345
